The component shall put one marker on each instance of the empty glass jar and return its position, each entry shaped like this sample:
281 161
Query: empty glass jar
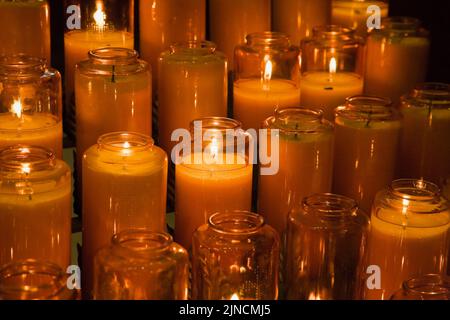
409 235
141 265
326 239
427 287
235 257
35 280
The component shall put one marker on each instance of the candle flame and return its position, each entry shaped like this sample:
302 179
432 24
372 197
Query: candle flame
214 148
100 16
333 65
234 297
16 108
126 148
267 69
26 168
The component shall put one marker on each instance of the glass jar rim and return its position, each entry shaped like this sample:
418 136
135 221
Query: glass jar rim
113 56
297 120
142 240
124 140
332 31
429 94
400 23
328 205
203 47
428 285
236 222
219 124
414 190
22 66
26 159
55 275
368 108
268 38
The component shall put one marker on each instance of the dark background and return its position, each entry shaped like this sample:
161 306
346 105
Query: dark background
435 15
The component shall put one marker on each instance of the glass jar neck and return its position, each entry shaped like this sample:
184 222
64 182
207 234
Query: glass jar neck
31 280
367 108
330 207
26 160
22 67
332 32
218 125
125 143
193 48
435 95
428 287
401 26
268 39
297 120
236 223
112 56
142 242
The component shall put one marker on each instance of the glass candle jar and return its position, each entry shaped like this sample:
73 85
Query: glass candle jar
213 174
247 17
192 85
235 257
367 139
25 28
266 77
332 60
305 163
326 239
103 23
298 17
30 103
425 153
409 234
124 187
427 287
141 265
112 93
35 280
396 57
354 14
164 22
35 206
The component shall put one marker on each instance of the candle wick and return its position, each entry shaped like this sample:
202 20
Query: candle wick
113 76
369 117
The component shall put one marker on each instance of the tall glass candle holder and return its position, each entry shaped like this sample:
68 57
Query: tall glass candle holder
427 287
141 265
248 17
326 239
367 139
297 18
354 14
35 280
112 93
235 257
35 206
396 57
331 68
409 235
266 77
215 174
305 163
25 28
164 22
192 85
424 152
30 103
103 23
124 187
